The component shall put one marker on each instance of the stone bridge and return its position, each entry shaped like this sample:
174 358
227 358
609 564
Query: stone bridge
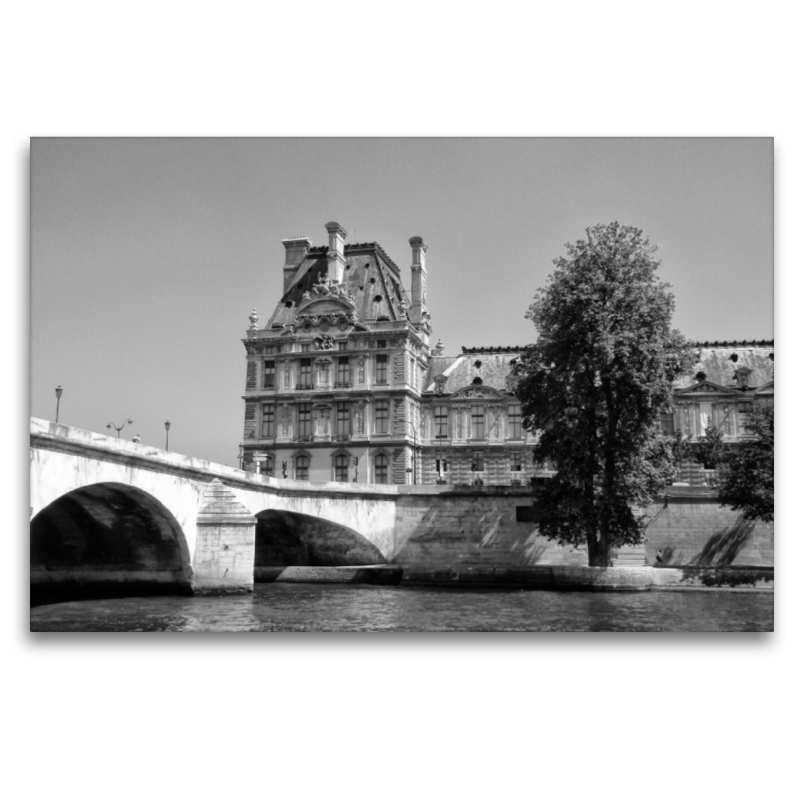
106 512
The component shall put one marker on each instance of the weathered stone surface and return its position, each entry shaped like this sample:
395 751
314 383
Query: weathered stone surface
603 578
226 535
379 574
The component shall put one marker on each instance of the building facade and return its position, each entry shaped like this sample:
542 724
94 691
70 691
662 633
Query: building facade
344 385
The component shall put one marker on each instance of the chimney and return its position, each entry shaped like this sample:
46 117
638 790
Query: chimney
296 249
419 278
741 376
336 263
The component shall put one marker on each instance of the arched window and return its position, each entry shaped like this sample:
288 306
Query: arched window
341 465
301 466
381 468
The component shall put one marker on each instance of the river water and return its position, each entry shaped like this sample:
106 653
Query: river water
336 607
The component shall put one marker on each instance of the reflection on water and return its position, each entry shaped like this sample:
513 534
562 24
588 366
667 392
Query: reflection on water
306 607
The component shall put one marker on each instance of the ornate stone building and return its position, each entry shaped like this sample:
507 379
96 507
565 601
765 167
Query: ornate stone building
335 378
343 384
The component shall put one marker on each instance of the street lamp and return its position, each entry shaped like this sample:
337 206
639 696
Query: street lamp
59 392
118 429
166 425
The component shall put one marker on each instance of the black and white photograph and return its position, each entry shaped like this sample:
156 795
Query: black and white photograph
395 393
362 384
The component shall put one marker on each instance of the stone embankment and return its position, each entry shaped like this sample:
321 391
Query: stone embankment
556 577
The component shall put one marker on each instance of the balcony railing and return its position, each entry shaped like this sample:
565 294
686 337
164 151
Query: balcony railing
341 437
342 384
303 437
303 387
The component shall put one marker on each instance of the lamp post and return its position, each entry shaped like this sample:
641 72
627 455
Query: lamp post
166 425
118 429
59 392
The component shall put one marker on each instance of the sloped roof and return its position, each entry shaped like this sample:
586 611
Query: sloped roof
491 367
370 276
719 363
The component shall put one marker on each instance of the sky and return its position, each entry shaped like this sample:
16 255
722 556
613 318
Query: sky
147 255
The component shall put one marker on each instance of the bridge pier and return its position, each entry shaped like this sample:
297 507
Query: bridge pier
226 543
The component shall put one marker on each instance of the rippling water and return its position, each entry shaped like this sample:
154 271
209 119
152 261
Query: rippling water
307 607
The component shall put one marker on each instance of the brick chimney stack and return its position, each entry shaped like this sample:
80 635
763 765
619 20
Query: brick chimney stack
296 249
336 263
419 278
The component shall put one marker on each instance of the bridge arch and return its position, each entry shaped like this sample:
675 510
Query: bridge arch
291 539
107 539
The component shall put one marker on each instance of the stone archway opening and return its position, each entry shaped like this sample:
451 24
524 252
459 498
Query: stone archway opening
107 540
289 539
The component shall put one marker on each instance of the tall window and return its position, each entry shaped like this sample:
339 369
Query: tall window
267 420
381 368
341 464
305 373
381 469
268 466
304 420
343 370
413 372
343 419
301 465
667 423
514 421
305 347
515 462
343 345
744 410
381 416
440 422
477 462
477 422
269 374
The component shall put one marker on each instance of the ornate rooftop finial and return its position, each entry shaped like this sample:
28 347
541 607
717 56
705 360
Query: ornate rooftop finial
253 320
439 349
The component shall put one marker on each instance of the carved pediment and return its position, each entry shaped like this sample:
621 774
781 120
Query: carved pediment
706 387
325 304
473 392
767 388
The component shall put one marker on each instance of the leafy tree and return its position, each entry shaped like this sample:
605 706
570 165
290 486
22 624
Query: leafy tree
711 449
747 481
593 386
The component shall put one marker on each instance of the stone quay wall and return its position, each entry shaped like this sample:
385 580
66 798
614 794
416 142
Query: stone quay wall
497 527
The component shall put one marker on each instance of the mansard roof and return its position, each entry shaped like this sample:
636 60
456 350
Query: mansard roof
370 277
491 367
720 360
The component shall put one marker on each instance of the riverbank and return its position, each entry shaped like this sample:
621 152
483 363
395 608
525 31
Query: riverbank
557 577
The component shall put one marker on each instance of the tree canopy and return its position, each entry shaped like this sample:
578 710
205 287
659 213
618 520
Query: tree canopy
747 481
593 386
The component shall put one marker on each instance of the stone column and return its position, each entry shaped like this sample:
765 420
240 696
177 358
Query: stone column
226 543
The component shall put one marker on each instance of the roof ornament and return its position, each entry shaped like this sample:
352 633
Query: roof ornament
439 349
325 286
253 320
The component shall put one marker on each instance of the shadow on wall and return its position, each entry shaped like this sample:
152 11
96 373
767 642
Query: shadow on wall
107 540
288 539
720 550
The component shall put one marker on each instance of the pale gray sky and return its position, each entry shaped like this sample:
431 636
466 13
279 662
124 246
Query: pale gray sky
148 254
